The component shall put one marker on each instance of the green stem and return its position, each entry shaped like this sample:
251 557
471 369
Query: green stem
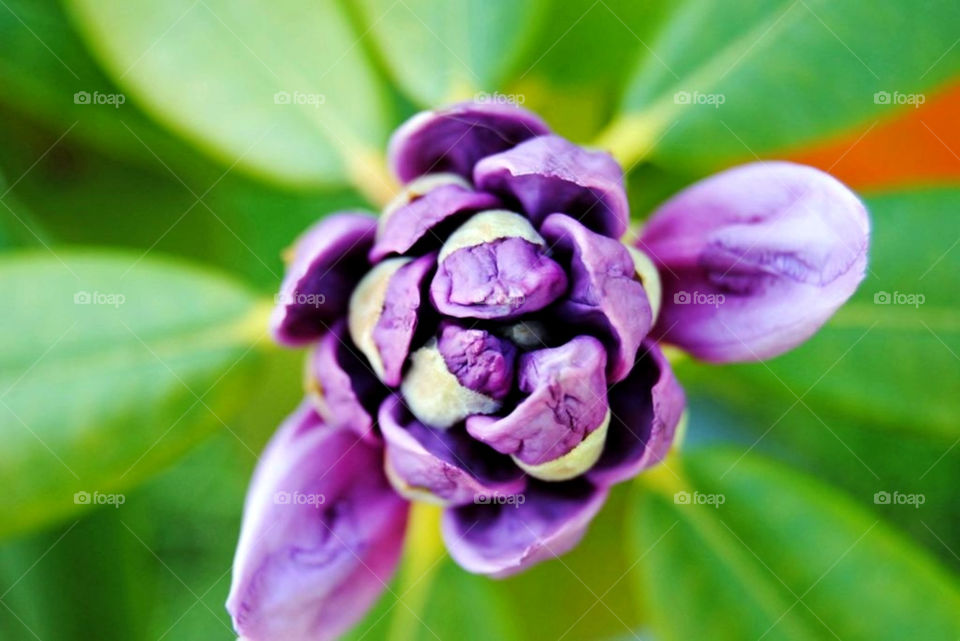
422 556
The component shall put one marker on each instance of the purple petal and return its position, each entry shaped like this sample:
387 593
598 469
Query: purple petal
400 316
566 400
645 410
495 266
480 361
755 259
509 536
549 174
329 259
442 466
322 533
418 219
605 294
455 138
343 389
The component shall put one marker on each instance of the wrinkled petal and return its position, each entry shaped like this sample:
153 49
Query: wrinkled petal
453 139
495 266
480 361
755 259
549 174
422 216
445 467
605 293
322 533
341 386
435 395
645 410
506 537
566 400
400 316
329 259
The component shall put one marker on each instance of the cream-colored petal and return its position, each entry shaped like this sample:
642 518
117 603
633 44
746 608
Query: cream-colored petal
649 278
488 226
435 396
366 305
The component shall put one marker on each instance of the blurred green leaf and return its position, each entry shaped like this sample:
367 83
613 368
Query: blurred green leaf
786 71
889 358
783 557
111 366
441 51
574 69
276 87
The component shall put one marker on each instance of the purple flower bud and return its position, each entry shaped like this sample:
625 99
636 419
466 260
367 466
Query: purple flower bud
455 138
508 536
557 432
328 260
756 259
495 266
446 467
322 534
549 174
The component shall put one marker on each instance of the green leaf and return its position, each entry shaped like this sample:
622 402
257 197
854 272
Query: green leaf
111 366
891 365
786 71
442 51
781 557
279 88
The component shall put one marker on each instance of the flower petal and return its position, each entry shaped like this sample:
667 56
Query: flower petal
566 401
446 467
429 202
453 139
322 533
480 361
645 410
329 259
550 174
400 316
755 259
506 537
495 266
341 386
605 293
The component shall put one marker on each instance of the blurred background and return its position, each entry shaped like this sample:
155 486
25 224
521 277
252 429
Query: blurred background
157 157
